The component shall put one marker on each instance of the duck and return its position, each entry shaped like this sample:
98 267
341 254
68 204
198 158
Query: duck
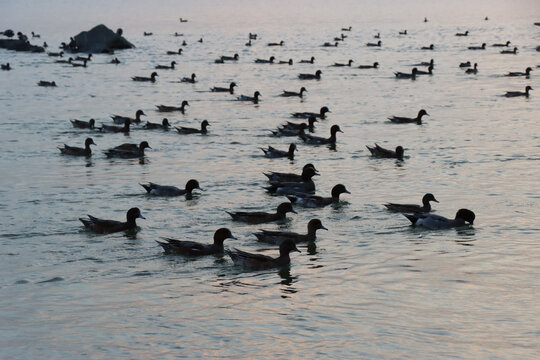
248 43
273 153
289 62
77 151
166 108
252 36
347 29
305 115
378 36
429 72
259 217
465 64
519 73
264 61
377 44
219 61
466 33
404 32
436 222
288 177
284 131
179 52
115 61
374 66
261 262
152 77
310 61
167 190
341 38
183 20
148 33
101 226
316 140
314 201
510 51
294 93
82 58
306 186
6 66
46 83
56 54
118 119
230 89
405 120
276 44
502 45
230 58
74 64
63 61
192 248
474 70
166 67
483 47
316 76
519 93
190 79
81 124
277 237
187 130
178 34
165 125
34 35
412 75
327 44
294 126
184 43
341 64
430 47
116 129
381 152
200 40
413 208
128 151
254 98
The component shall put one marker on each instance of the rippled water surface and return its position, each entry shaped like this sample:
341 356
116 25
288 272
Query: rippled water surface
370 287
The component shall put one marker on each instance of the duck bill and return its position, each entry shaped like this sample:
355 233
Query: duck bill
294 212
233 237
141 217
201 189
323 228
436 200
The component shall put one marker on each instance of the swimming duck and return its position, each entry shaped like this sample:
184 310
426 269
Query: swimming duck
81 124
510 51
316 76
167 190
219 61
118 119
166 67
294 93
230 89
306 186
347 29
178 34
374 66
378 36
474 70
483 47
276 44
264 61
190 80
152 126
192 248
179 52
148 33
248 43
273 153
68 61
82 58
519 93
316 140
283 131
430 47
188 130
404 32
310 61
381 152
6 66
378 44
183 20
152 77
411 208
341 64
412 75
277 237
436 222
128 151
116 129
46 83
306 115
230 58
252 36
56 54
259 217
502 45
425 63
327 44
342 38
405 120
466 33
102 226
314 201
465 64
166 108
289 62
77 151
261 262
115 61
288 177
519 73
184 43
78 64
254 98
200 40
429 72
294 126
34 35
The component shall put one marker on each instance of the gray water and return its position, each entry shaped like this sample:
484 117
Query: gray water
370 287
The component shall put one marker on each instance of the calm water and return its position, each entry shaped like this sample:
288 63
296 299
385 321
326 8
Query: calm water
372 286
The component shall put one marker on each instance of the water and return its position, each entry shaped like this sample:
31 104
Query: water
370 287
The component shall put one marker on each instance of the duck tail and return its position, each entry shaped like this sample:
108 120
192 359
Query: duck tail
86 222
165 246
269 176
147 187
413 219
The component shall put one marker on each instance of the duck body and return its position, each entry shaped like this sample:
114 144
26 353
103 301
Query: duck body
316 76
187 130
128 151
502 45
264 61
278 237
310 61
406 120
465 64
167 190
287 177
474 70
428 72
306 115
482 47
276 44
381 152
165 125
116 129
152 78
519 73
192 248
436 222
78 151
230 58
294 93
341 64
377 44
413 208
101 226
374 66
430 47
190 79
261 262
118 119
314 201
412 75
179 52
274 153
166 108
254 99
305 186
519 93
46 83
316 140
166 67
510 51
230 89
260 217
81 124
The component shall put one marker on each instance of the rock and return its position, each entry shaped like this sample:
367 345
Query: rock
19 45
99 39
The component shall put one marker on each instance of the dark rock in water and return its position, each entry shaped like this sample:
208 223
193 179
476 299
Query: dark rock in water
100 39
20 45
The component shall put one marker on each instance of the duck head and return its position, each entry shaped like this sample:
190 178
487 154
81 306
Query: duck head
466 215
284 208
221 234
338 190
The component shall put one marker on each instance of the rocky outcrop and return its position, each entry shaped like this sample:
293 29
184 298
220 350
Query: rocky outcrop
20 45
99 39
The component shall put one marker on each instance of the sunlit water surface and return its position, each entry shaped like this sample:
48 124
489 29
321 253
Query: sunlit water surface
370 287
